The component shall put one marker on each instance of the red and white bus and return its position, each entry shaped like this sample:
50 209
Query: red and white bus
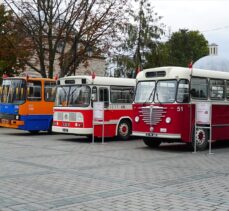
165 103
73 111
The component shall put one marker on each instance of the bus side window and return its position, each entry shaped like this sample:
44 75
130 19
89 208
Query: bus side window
183 91
199 88
217 89
50 91
122 94
227 90
104 96
34 91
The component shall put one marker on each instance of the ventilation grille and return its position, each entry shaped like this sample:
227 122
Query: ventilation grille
152 115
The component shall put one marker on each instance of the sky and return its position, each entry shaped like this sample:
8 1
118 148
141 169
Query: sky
210 17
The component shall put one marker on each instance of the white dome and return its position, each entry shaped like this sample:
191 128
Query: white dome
212 62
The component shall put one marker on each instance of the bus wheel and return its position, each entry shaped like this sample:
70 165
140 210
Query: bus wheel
202 136
124 129
152 143
34 132
50 129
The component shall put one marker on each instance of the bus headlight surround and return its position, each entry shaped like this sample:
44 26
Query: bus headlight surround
168 120
79 117
136 119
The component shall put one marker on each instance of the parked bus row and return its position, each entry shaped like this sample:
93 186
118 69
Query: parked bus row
28 104
161 108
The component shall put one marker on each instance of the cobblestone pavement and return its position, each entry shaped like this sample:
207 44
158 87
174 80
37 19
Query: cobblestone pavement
66 172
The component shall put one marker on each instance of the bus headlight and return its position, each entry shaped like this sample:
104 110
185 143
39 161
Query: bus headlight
79 117
136 119
168 120
17 117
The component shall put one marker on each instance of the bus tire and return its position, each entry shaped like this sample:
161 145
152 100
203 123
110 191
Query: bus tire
124 129
202 136
50 129
152 143
34 132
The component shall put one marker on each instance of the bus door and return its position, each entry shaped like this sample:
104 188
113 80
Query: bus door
103 93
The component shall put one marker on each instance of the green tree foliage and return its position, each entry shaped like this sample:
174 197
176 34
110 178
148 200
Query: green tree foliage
185 46
158 56
11 44
141 35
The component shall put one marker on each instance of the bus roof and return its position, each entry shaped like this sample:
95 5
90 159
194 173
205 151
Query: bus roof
170 72
86 79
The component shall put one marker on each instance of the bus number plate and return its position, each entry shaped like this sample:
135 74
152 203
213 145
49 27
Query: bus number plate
5 121
65 130
151 134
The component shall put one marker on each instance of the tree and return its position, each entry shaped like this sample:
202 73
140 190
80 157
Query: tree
12 51
186 46
158 56
63 31
140 36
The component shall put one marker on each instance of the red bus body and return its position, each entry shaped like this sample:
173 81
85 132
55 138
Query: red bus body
117 116
175 121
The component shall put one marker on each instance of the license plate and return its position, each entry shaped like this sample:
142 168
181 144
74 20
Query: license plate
65 124
5 121
151 134
65 130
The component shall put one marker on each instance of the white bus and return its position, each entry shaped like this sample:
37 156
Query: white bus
73 111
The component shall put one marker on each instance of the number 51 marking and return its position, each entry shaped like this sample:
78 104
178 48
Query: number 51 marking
180 109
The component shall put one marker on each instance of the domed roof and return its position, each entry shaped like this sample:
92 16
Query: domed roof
212 62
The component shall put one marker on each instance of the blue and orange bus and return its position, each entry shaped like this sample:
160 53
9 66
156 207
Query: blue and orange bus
26 103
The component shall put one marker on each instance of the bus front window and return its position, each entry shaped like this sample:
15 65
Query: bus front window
165 91
145 91
13 91
74 95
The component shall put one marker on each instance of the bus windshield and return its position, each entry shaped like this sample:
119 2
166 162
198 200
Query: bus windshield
13 91
145 91
165 91
74 95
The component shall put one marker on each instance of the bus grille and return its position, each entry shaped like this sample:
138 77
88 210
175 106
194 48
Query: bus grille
66 116
59 116
152 115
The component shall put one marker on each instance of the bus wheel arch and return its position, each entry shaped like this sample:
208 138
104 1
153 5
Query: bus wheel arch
124 128
202 136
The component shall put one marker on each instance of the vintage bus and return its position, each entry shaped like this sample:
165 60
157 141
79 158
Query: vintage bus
73 111
165 103
26 103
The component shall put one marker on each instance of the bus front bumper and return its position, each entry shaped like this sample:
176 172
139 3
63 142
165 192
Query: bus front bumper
11 123
156 135
77 131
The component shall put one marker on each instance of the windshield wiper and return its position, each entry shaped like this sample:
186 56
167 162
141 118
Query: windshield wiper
151 94
158 98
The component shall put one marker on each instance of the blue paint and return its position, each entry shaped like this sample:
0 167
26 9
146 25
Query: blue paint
36 122
8 108
31 122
